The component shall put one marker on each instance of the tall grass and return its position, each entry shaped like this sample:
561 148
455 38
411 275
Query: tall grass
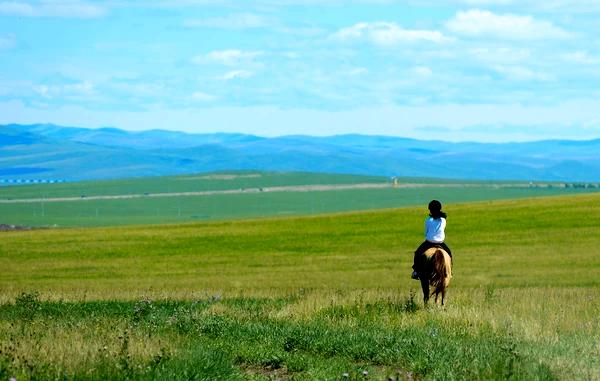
326 297
308 335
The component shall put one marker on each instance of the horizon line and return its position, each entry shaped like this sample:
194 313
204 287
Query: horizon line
166 130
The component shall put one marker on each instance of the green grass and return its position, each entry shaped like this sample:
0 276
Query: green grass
187 183
157 210
308 298
261 338
204 182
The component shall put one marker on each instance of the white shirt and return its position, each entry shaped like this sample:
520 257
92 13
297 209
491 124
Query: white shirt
434 229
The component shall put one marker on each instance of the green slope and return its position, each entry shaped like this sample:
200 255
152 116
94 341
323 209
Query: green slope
534 242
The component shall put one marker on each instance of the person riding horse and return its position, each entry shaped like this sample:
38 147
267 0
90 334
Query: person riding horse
435 224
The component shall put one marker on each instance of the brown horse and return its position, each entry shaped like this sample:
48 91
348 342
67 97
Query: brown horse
437 272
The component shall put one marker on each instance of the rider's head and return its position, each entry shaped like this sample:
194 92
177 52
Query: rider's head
435 206
435 209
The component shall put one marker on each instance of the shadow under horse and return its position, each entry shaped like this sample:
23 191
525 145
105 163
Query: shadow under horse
435 274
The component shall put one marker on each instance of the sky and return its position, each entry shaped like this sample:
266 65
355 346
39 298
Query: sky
455 70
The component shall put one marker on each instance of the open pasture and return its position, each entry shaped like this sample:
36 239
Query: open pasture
322 297
240 195
214 181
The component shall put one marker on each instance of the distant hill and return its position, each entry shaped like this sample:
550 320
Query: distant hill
46 151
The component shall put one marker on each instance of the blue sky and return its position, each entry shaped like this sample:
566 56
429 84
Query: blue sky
479 70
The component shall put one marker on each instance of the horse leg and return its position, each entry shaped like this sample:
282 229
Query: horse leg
443 295
425 287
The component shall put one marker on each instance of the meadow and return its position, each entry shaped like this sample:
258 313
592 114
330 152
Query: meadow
325 297
240 195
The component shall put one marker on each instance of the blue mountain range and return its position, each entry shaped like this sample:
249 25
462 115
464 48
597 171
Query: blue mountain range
46 151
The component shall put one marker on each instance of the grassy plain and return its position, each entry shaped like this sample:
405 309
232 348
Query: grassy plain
149 207
305 298
213 181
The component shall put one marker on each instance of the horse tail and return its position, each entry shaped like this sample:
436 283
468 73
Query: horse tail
442 267
448 266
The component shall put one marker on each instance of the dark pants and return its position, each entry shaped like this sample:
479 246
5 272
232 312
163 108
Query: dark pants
423 248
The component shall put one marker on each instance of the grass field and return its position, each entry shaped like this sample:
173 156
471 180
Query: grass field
317 297
188 183
257 194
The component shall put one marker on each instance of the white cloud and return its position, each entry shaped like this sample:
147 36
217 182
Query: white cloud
481 23
565 6
233 21
388 34
70 90
42 90
487 2
52 8
84 87
356 71
140 89
7 42
230 57
520 73
545 6
291 55
203 97
16 8
422 71
235 74
592 124
496 55
581 57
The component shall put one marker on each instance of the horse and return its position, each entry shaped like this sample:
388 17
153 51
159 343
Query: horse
436 273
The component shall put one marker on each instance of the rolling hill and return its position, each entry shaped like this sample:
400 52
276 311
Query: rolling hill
45 151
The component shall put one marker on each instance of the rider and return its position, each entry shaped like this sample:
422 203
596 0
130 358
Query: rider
434 235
